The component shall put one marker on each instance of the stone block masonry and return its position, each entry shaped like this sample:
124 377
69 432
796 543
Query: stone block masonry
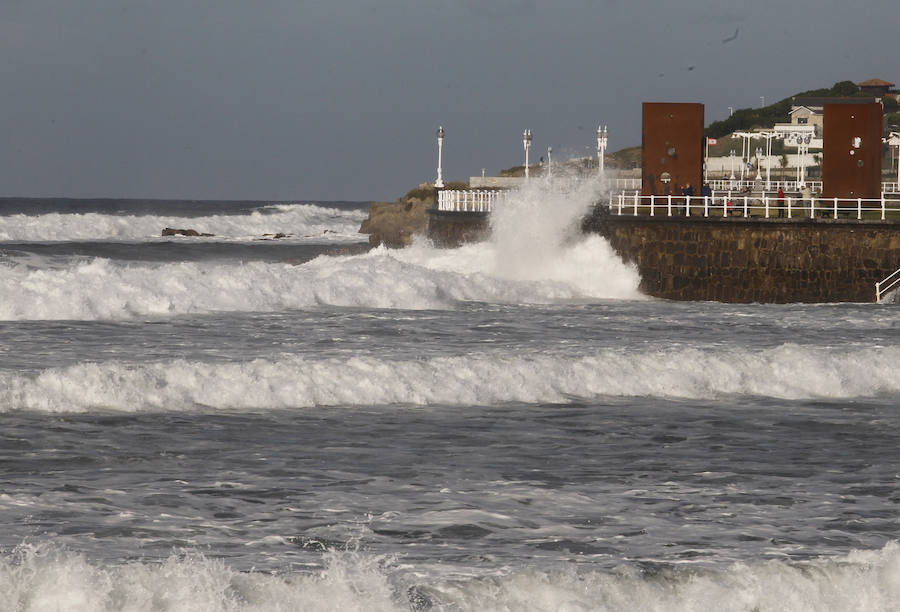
452 229
754 260
732 259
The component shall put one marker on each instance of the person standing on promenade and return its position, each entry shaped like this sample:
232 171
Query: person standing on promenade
806 199
687 192
780 202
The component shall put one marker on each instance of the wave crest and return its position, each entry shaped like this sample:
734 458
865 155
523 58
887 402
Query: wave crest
38 578
477 379
298 220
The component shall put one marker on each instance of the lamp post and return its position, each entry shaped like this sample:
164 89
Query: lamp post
745 147
526 142
803 150
758 162
768 136
549 162
439 183
894 141
731 155
602 140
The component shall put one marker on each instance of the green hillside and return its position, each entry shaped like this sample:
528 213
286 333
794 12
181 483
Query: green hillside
779 112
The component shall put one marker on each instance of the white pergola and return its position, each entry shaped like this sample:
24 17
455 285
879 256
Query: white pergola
745 148
768 136
894 140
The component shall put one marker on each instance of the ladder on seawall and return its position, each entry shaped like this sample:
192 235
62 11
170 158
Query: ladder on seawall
887 285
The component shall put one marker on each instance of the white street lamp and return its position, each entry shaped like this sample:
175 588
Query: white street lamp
768 136
602 140
803 150
745 149
549 162
439 183
526 142
894 141
758 163
731 155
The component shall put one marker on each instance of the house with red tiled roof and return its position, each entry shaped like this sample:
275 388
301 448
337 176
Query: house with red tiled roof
876 87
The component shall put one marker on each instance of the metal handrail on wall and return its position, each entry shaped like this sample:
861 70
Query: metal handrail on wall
469 200
745 205
884 287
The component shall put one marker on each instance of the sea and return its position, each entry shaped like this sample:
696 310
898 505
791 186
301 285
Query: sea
276 417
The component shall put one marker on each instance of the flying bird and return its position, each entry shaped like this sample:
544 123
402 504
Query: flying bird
732 37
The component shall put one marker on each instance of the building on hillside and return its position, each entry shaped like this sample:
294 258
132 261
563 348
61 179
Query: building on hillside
877 88
807 116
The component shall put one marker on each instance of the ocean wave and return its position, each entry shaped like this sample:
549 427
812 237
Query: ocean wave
421 278
788 371
296 220
38 578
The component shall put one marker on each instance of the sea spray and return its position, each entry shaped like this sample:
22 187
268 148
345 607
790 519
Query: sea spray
536 240
538 222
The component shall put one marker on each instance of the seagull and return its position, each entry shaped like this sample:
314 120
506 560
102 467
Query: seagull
730 38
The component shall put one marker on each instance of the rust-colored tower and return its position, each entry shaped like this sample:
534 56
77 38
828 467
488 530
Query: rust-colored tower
851 151
672 141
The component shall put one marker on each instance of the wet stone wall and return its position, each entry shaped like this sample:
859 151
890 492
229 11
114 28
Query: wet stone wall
734 259
755 260
452 229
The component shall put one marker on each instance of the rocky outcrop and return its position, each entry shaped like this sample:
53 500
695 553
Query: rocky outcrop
394 224
182 232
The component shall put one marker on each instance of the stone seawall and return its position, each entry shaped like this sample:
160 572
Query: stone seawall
452 229
734 259
754 260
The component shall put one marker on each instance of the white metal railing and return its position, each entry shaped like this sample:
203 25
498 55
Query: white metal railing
469 200
745 204
720 203
884 287
738 185
627 183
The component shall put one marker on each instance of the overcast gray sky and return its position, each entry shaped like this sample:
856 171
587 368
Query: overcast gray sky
340 99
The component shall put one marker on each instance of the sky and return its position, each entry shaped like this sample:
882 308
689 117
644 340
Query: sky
341 99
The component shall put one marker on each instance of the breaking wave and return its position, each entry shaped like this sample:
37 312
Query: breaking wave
296 220
38 578
417 278
788 371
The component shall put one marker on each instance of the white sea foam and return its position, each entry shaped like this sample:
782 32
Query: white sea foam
297 220
790 371
44 579
862 581
47 579
536 255
418 278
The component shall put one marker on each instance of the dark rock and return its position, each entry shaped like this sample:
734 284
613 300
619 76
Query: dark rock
394 224
182 232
